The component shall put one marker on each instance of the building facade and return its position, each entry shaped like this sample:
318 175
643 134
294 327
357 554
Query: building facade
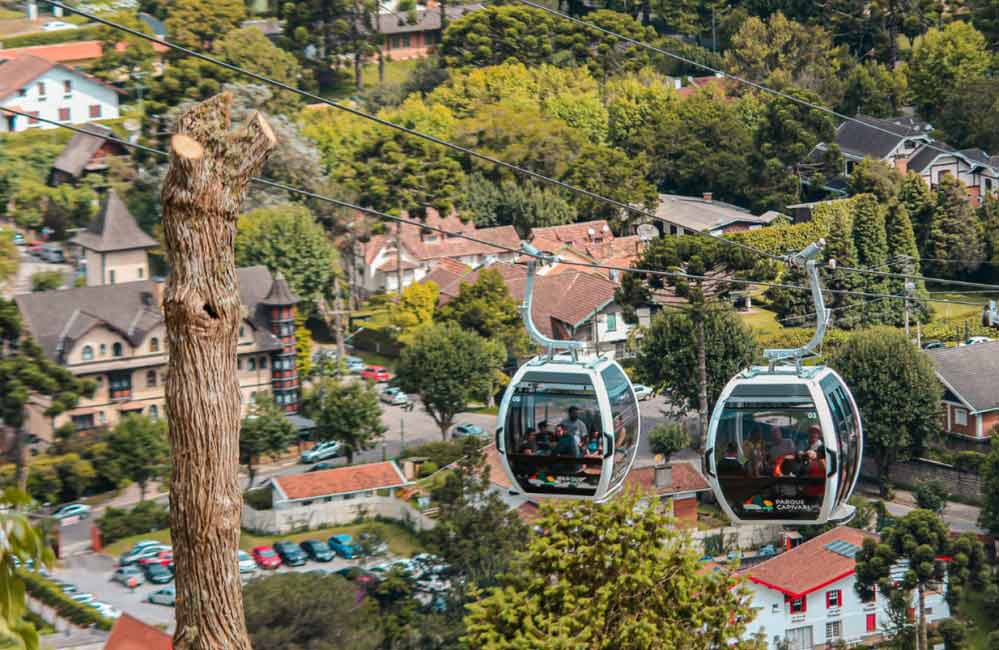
970 404
52 91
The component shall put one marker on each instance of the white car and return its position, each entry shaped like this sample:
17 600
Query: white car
394 396
106 610
975 340
643 392
56 25
83 598
246 563
69 510
322 451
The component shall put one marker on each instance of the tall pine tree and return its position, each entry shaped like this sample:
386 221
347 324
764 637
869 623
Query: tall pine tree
989 215
904 258
840 247
954 234
871 242
920 202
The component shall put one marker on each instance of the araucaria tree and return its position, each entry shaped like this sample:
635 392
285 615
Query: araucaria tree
871 242
608 576
896 390
449 367
988 518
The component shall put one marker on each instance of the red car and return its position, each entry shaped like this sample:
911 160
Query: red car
376 374
265 557
163 557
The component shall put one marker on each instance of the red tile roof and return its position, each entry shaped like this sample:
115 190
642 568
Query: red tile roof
811 565
130 633
71 52
576 234
342 480
497 475
696 83
686 478
454 266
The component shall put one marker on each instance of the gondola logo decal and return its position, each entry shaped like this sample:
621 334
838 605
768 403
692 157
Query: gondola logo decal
758 504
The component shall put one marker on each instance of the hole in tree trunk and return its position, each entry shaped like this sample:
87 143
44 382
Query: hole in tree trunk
210 311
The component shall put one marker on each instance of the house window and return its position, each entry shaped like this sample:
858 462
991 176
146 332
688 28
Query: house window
834 598
81 422
252 363
64 115
960 417
242 331
154 344
88 353
33 117
104 349
263 363
120 384
141 273
95 110
67 87
41 89
151 379
800 638
872 622
869 596
116 350
154 412
239 364
102 418
799 605
834 630
111 277
611 322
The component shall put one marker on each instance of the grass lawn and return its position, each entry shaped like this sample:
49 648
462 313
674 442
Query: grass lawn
949 312
763 321
400 540
396 72
375 359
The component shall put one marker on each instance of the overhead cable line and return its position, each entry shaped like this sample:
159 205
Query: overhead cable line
679 275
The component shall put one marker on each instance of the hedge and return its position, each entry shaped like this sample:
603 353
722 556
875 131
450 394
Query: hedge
117 523
779 240
49 593
91 33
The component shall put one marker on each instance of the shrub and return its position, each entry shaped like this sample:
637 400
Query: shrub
46 280
990 599
931 495
117 523
71 610
992 642
667 439
51 38
969 461
428 468
261 498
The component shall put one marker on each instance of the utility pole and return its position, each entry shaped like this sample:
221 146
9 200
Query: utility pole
398 256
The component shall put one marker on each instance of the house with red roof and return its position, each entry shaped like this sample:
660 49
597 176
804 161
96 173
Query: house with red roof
339 484
129 633
676 485
587 242
53 91
807 597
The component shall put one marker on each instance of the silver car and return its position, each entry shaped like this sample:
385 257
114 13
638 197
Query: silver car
130 576
165 596
643 393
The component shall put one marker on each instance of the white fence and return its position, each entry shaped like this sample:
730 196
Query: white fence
317 515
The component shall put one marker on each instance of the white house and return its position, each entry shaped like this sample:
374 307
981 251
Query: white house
52 91
807 595
333 485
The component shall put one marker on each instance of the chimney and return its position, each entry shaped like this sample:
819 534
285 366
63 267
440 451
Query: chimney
902 166
664 475
708 196
157 291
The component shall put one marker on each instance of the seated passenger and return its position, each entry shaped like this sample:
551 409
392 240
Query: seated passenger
729 465
782 444
530 443
814 467
574 425
594 443
566 444
544 437
815 439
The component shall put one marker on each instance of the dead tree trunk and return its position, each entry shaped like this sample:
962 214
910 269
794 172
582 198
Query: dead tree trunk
210 168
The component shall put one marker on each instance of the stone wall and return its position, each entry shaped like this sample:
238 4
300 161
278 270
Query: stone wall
336 513
743 538
964 485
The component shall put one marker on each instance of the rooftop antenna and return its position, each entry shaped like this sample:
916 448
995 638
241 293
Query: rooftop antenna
549 344
806 258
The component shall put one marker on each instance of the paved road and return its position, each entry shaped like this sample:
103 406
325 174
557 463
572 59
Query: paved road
29 266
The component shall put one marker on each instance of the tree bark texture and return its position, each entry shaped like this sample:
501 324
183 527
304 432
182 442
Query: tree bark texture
210 168
924 643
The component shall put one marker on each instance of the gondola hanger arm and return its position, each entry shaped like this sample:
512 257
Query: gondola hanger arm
536 257
807 259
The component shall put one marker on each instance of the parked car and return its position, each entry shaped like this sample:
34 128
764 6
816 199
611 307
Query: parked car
394 396
467 429
975 340
70 510
19 239
377 374
134 557
246 563
265 557
52 253
934 345
165 596
290 553
83 598
163 558
363 577
105 609
57 25
318 467
355 365
322 451
157 573
130 576
318 550
343 545
35 247
643 392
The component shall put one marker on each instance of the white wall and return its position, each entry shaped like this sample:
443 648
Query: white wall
85 93
335 512
773 616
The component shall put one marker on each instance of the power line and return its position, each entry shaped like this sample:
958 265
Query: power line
491 159
388 217
398 127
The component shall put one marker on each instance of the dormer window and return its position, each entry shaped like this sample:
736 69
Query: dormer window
88 353
116 350
22 92
40 86
154 344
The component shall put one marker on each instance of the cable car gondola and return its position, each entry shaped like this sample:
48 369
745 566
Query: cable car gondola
785 441
567 427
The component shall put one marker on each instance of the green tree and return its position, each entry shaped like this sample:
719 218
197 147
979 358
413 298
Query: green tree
287 239
903 257
139 446
346 412
46 280
123 55
523 206
840 247
871 176
920 537
954 232
10 255
988 517
636 104
920 202
871 241
569 585
667 439
414 310
967 112
896 391
989 216
306 611
196 25
249 48
487 308
985 18
265 432
22 543
448 367
874 89
931 495
613 174
942 60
